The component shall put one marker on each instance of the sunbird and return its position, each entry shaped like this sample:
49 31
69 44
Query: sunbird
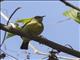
33 26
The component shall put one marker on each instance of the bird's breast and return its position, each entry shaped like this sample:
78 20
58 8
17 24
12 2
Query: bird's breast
35 28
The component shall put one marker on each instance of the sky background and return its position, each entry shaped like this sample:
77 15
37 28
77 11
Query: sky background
67 32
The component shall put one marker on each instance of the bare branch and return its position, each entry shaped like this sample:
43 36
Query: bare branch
4 16
1 1
9 55
8 23
41 40
37 51
70 5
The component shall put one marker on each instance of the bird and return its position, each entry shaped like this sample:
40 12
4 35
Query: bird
33 26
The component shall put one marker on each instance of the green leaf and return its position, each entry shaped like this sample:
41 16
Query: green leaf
26 20
10 35
72 13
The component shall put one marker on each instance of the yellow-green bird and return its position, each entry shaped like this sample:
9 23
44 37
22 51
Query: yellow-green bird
33 26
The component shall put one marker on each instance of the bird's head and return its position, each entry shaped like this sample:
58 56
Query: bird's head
39 18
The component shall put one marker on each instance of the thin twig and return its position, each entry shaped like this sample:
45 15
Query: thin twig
69 46
8 23
70 5
4 16
37 51
5 32
9 55
63 20
1 1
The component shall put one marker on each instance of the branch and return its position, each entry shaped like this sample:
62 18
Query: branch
1 1
8 23
4 16
9 55
41 40
70 5
37 51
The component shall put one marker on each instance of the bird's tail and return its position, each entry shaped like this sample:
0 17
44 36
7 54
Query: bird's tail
25 44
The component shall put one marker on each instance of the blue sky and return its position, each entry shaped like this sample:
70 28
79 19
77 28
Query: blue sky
63 33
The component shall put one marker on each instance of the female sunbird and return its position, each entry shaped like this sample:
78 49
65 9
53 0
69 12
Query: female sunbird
33 27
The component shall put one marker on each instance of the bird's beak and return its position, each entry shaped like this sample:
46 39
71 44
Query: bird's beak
43 16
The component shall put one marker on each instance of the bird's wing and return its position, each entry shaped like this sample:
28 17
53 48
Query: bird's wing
24 21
